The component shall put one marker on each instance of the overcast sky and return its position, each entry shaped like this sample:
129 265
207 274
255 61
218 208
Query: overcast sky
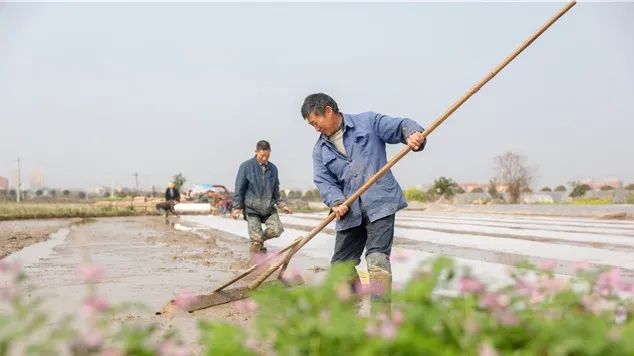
91 93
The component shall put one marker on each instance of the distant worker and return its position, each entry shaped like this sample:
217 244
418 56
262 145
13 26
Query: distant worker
172 197
171 193
257 192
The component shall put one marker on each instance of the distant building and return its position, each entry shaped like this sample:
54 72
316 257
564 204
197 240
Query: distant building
37 180
596 185
470 186
4 183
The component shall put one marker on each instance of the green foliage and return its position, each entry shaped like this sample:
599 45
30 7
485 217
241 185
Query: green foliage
560 188
477 190
493 190
414 194
606 188
537 313
579 189
546 189
179 180
445 187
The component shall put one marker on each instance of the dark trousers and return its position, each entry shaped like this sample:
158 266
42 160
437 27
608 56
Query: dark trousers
375 237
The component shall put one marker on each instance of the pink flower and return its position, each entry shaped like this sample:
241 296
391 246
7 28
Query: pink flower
246 306
377 287
93 340
468 285
609 282
343 292
506 317
582 266
184 300
490 301
11 267
292 275
397 317
361 288
252 344
400 255
110 352
387 330
486 349
552 286
90 273
529 289
547 265
371 330
168 348
93 306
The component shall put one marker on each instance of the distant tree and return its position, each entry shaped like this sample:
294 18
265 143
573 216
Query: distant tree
106 194
526 190
579 189
294 194
560 188
630 187
414 194
39 192
66 192
12 193
477 190
53 193
283 195
514 173
459 190
179 180
445 187
81 195
308 195
606 187
493 190
546 189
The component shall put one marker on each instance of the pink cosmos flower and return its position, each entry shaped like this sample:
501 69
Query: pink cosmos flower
400 255
547 265
609 282
94 305
468 285
168 348
397 317
486 349
581 266
246 306
184 300
93 340
91 273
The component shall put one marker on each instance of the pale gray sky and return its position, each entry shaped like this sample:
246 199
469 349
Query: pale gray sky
90 93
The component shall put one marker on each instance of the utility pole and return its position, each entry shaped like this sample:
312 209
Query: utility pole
18 197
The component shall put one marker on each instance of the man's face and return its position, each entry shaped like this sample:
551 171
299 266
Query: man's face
262 156
327 124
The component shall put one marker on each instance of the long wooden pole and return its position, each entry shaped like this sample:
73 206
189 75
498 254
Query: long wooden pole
299 243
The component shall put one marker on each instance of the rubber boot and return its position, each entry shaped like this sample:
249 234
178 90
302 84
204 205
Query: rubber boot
380 274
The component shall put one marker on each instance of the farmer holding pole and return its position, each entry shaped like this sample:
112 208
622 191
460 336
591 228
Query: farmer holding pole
257 192
349 150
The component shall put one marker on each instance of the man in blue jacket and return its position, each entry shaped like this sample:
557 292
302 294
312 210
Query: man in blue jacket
349 150
257 192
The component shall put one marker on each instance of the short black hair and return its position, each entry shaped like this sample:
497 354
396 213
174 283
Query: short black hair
316 104
263 145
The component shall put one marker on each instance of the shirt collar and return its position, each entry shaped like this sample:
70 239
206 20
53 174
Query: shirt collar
346 123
